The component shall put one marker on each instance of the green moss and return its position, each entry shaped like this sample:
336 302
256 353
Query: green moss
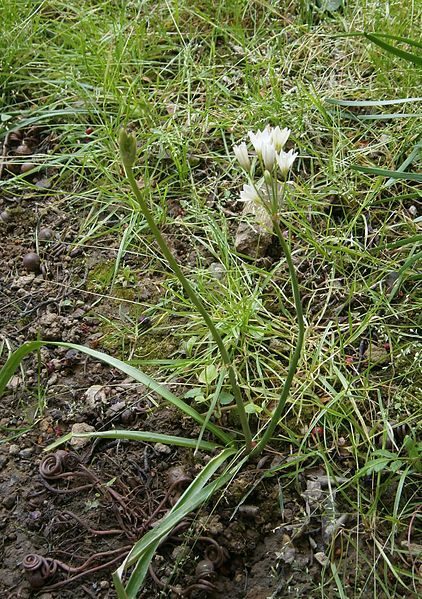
100 276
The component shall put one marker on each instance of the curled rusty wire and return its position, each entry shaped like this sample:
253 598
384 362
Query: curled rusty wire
59 471
39 569
215 556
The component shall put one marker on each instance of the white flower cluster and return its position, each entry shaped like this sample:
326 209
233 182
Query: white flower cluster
268 145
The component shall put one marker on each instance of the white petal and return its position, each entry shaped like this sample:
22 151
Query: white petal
260 139
279 137
268 155
285 161
241 153
249 194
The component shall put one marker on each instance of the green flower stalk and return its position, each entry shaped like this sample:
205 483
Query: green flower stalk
127 146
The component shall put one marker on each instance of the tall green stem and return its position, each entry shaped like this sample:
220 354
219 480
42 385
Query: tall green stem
194 299
294 360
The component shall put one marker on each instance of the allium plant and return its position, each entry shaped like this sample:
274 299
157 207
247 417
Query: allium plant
268 168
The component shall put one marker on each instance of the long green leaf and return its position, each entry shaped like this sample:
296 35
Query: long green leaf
409 56
397 38
387 173
144 436
378 117
17 356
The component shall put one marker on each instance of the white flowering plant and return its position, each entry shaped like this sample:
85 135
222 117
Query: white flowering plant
268 169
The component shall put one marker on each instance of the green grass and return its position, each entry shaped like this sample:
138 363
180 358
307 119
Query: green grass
192 78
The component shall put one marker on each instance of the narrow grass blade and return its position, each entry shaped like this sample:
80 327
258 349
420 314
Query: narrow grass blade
415 153
144 436
45 116
120 589
409 56
379 117
387 173
16 358
356 103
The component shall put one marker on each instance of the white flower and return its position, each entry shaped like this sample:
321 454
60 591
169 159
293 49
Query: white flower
260 139
285 161
268 155
249 194
279 137
241 153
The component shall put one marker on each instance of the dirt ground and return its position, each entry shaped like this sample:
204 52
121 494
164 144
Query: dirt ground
80 511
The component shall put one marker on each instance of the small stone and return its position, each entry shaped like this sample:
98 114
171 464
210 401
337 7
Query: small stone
126 416
43 183
14 449
104 585
32 262
217 270
95 395
115 409
321 558
9 501
161 448
254 234
26 167
23 150
26 453
45 233
81 427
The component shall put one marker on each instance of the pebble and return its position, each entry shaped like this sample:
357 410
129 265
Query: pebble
14 449
23 281
81 427
9 501
104 584
161 448
27 452
126 416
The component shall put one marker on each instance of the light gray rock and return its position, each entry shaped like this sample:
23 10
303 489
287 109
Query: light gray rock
254 233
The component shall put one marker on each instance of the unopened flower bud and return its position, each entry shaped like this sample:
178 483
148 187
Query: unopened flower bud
241 153
268 156
127 147
268 178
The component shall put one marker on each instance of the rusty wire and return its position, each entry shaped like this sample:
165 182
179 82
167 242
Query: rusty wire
63 472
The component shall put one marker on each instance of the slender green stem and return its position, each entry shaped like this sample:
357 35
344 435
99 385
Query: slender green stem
196 302
299 344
